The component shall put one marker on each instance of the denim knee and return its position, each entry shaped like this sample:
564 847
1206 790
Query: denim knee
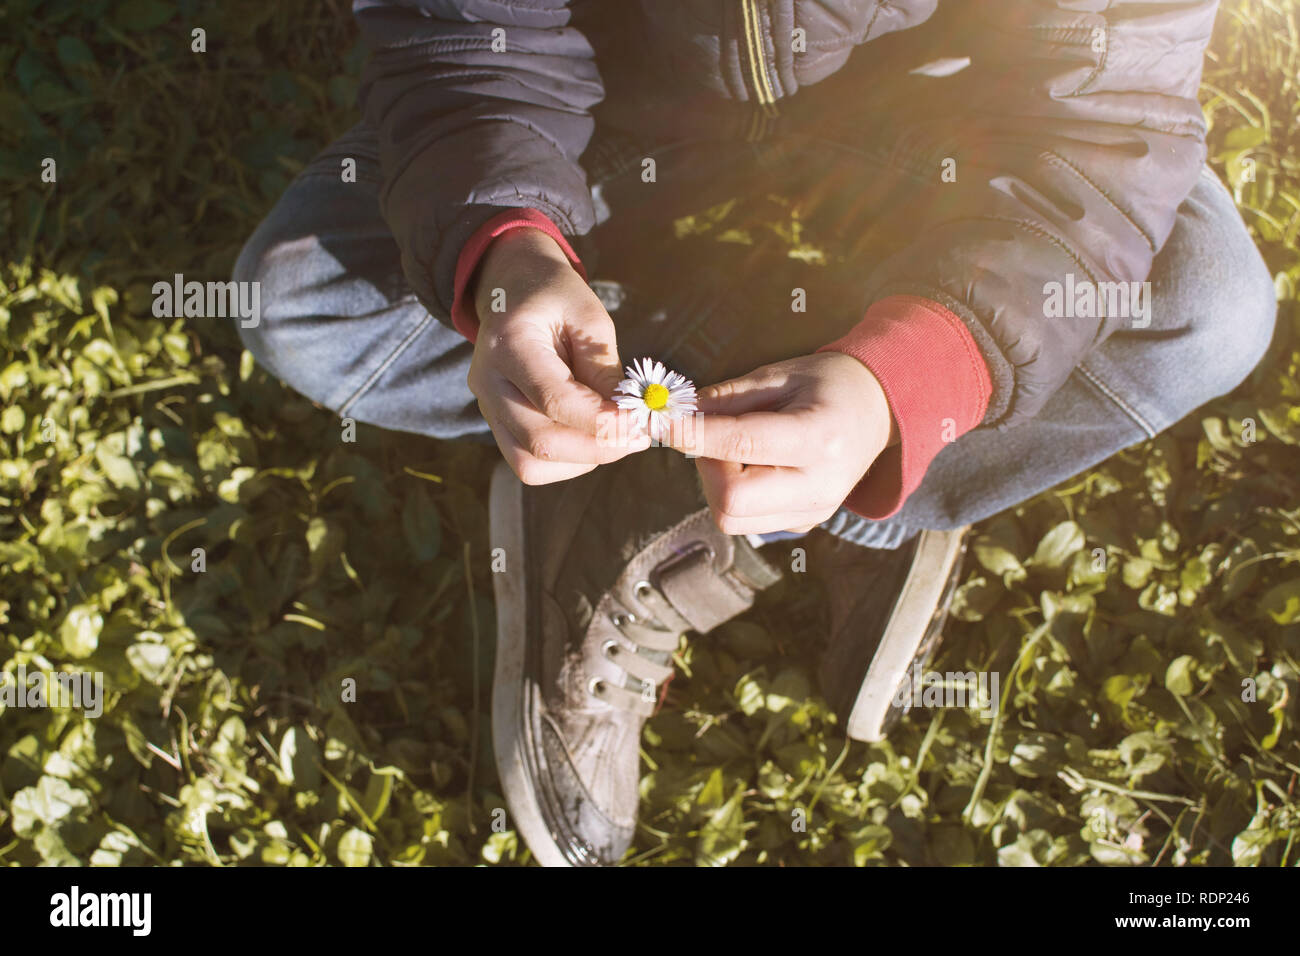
1235 309
323 328
256 263
1239 345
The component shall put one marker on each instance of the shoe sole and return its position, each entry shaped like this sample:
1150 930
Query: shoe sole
937 552
509 730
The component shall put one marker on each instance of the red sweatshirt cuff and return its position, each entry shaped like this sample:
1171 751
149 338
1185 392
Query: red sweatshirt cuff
937 385
463 316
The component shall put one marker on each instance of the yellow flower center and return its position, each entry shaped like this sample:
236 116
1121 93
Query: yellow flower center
655 397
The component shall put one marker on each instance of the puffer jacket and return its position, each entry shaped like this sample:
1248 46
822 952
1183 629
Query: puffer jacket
1077 129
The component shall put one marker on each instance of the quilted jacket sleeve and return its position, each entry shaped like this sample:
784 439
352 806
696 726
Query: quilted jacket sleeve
1076 134
480 106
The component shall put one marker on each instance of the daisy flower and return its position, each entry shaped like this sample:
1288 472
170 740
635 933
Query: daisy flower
655 396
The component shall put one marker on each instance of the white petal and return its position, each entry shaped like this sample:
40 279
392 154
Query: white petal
681 407
656 428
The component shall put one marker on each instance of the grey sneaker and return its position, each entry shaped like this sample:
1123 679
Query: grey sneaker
887 613
604 573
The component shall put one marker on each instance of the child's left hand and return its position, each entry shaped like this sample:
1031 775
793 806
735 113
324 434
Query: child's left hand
782 447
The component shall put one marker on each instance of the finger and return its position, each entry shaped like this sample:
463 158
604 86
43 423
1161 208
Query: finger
620 428
546 440
758 391
530 470
760 489
752 491
549 385
755 438
766 524
736 511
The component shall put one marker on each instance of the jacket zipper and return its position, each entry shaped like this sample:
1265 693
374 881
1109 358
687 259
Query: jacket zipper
760 80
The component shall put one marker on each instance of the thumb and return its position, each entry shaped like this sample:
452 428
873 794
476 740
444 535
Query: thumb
593 354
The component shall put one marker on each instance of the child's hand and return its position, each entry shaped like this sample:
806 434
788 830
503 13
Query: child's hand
782 447
544 368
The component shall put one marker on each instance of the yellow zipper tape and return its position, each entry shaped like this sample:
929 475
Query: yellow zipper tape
757 62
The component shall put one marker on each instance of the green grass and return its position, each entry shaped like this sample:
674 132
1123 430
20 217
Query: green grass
126 442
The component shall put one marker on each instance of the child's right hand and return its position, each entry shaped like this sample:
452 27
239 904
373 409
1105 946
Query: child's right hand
545 366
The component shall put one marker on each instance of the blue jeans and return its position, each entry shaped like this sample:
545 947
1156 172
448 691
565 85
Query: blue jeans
340 324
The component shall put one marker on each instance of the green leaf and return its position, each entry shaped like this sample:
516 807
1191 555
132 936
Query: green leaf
1136 573
379 790
1245 137
1059 545
1038 755
325 540
1248 846
501 846
975 598
1282 602
952 846
870 842
141 15
30 70
421 526
1155 752
118 849
355 848
149 660
79 632
1035 848
1194 578
722 838
73 52
999 560
228 490
746 640
48 803
711 794
52 97
12 420
1017 854
1121 690
1269 741
299 756
787 691
54 852
1111 855
1178 677
749 696
117 468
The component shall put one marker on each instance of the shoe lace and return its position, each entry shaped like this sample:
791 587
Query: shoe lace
644 655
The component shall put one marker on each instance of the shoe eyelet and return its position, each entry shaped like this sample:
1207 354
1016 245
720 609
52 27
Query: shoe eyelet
595 687
698 545
609 648
622 618
641 589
